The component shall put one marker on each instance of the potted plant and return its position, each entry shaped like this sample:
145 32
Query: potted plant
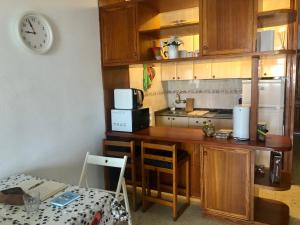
173 43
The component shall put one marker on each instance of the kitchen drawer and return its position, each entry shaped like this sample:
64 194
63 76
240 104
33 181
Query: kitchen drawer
179 121
196 122
171 121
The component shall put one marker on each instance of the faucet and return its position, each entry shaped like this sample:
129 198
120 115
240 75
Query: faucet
178 99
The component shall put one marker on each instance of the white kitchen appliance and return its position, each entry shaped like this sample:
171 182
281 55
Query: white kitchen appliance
129 120
128 98
271 103
270 109
241 118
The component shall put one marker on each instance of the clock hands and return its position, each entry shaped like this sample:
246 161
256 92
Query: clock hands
31 27
29 32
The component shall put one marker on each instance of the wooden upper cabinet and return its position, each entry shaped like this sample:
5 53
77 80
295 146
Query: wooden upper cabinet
119 34
227 182
227 26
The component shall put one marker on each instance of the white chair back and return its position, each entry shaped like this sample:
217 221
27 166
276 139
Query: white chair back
104 161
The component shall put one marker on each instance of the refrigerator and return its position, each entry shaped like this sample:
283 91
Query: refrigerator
270 109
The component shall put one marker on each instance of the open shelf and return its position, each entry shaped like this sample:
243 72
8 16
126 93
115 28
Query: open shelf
180 29
169 60
250 54
270 212
276 17
264 182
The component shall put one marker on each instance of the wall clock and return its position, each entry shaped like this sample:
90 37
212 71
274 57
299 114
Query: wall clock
35 32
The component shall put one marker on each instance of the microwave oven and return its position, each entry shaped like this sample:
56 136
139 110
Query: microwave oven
128 120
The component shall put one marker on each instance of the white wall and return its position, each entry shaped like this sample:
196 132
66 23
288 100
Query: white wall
51 106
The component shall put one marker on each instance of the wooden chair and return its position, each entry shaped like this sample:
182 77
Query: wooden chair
110 162
121 149
164 158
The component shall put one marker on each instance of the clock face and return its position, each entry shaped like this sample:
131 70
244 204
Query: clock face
35 32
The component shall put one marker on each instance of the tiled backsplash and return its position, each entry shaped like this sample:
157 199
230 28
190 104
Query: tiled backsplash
222 94
207 93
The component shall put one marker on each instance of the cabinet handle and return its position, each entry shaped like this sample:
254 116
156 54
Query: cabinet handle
265 74
195 77
168 118
178 78
197 121
205 47
205 153
173 78
173 118
213 76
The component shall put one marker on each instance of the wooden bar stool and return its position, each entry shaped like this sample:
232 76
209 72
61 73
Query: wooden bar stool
121 149
164 158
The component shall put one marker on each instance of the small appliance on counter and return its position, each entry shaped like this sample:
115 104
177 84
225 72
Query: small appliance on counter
129 120
128 98
241 122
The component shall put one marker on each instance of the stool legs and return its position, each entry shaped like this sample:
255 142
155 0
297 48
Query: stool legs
175 181
187 181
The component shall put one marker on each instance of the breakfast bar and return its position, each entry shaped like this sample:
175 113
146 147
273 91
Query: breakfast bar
222 171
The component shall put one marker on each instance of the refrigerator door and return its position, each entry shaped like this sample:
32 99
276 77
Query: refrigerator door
270 111
273 117
271 93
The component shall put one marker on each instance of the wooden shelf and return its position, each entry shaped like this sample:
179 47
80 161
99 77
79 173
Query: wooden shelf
276 17
182 29
264 182
251 54
169 60
270 212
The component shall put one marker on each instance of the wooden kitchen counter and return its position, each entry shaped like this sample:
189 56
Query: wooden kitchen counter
196 136
222 172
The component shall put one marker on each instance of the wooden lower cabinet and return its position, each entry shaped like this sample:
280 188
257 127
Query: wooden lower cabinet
227 189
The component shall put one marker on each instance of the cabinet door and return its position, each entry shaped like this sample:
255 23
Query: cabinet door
196 122
168 71
227 182
184 70
233 68
179 121
202 70
227 26
163 121
119 34
273 66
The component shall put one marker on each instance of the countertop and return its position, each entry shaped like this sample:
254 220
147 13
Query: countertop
213 114
196 136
